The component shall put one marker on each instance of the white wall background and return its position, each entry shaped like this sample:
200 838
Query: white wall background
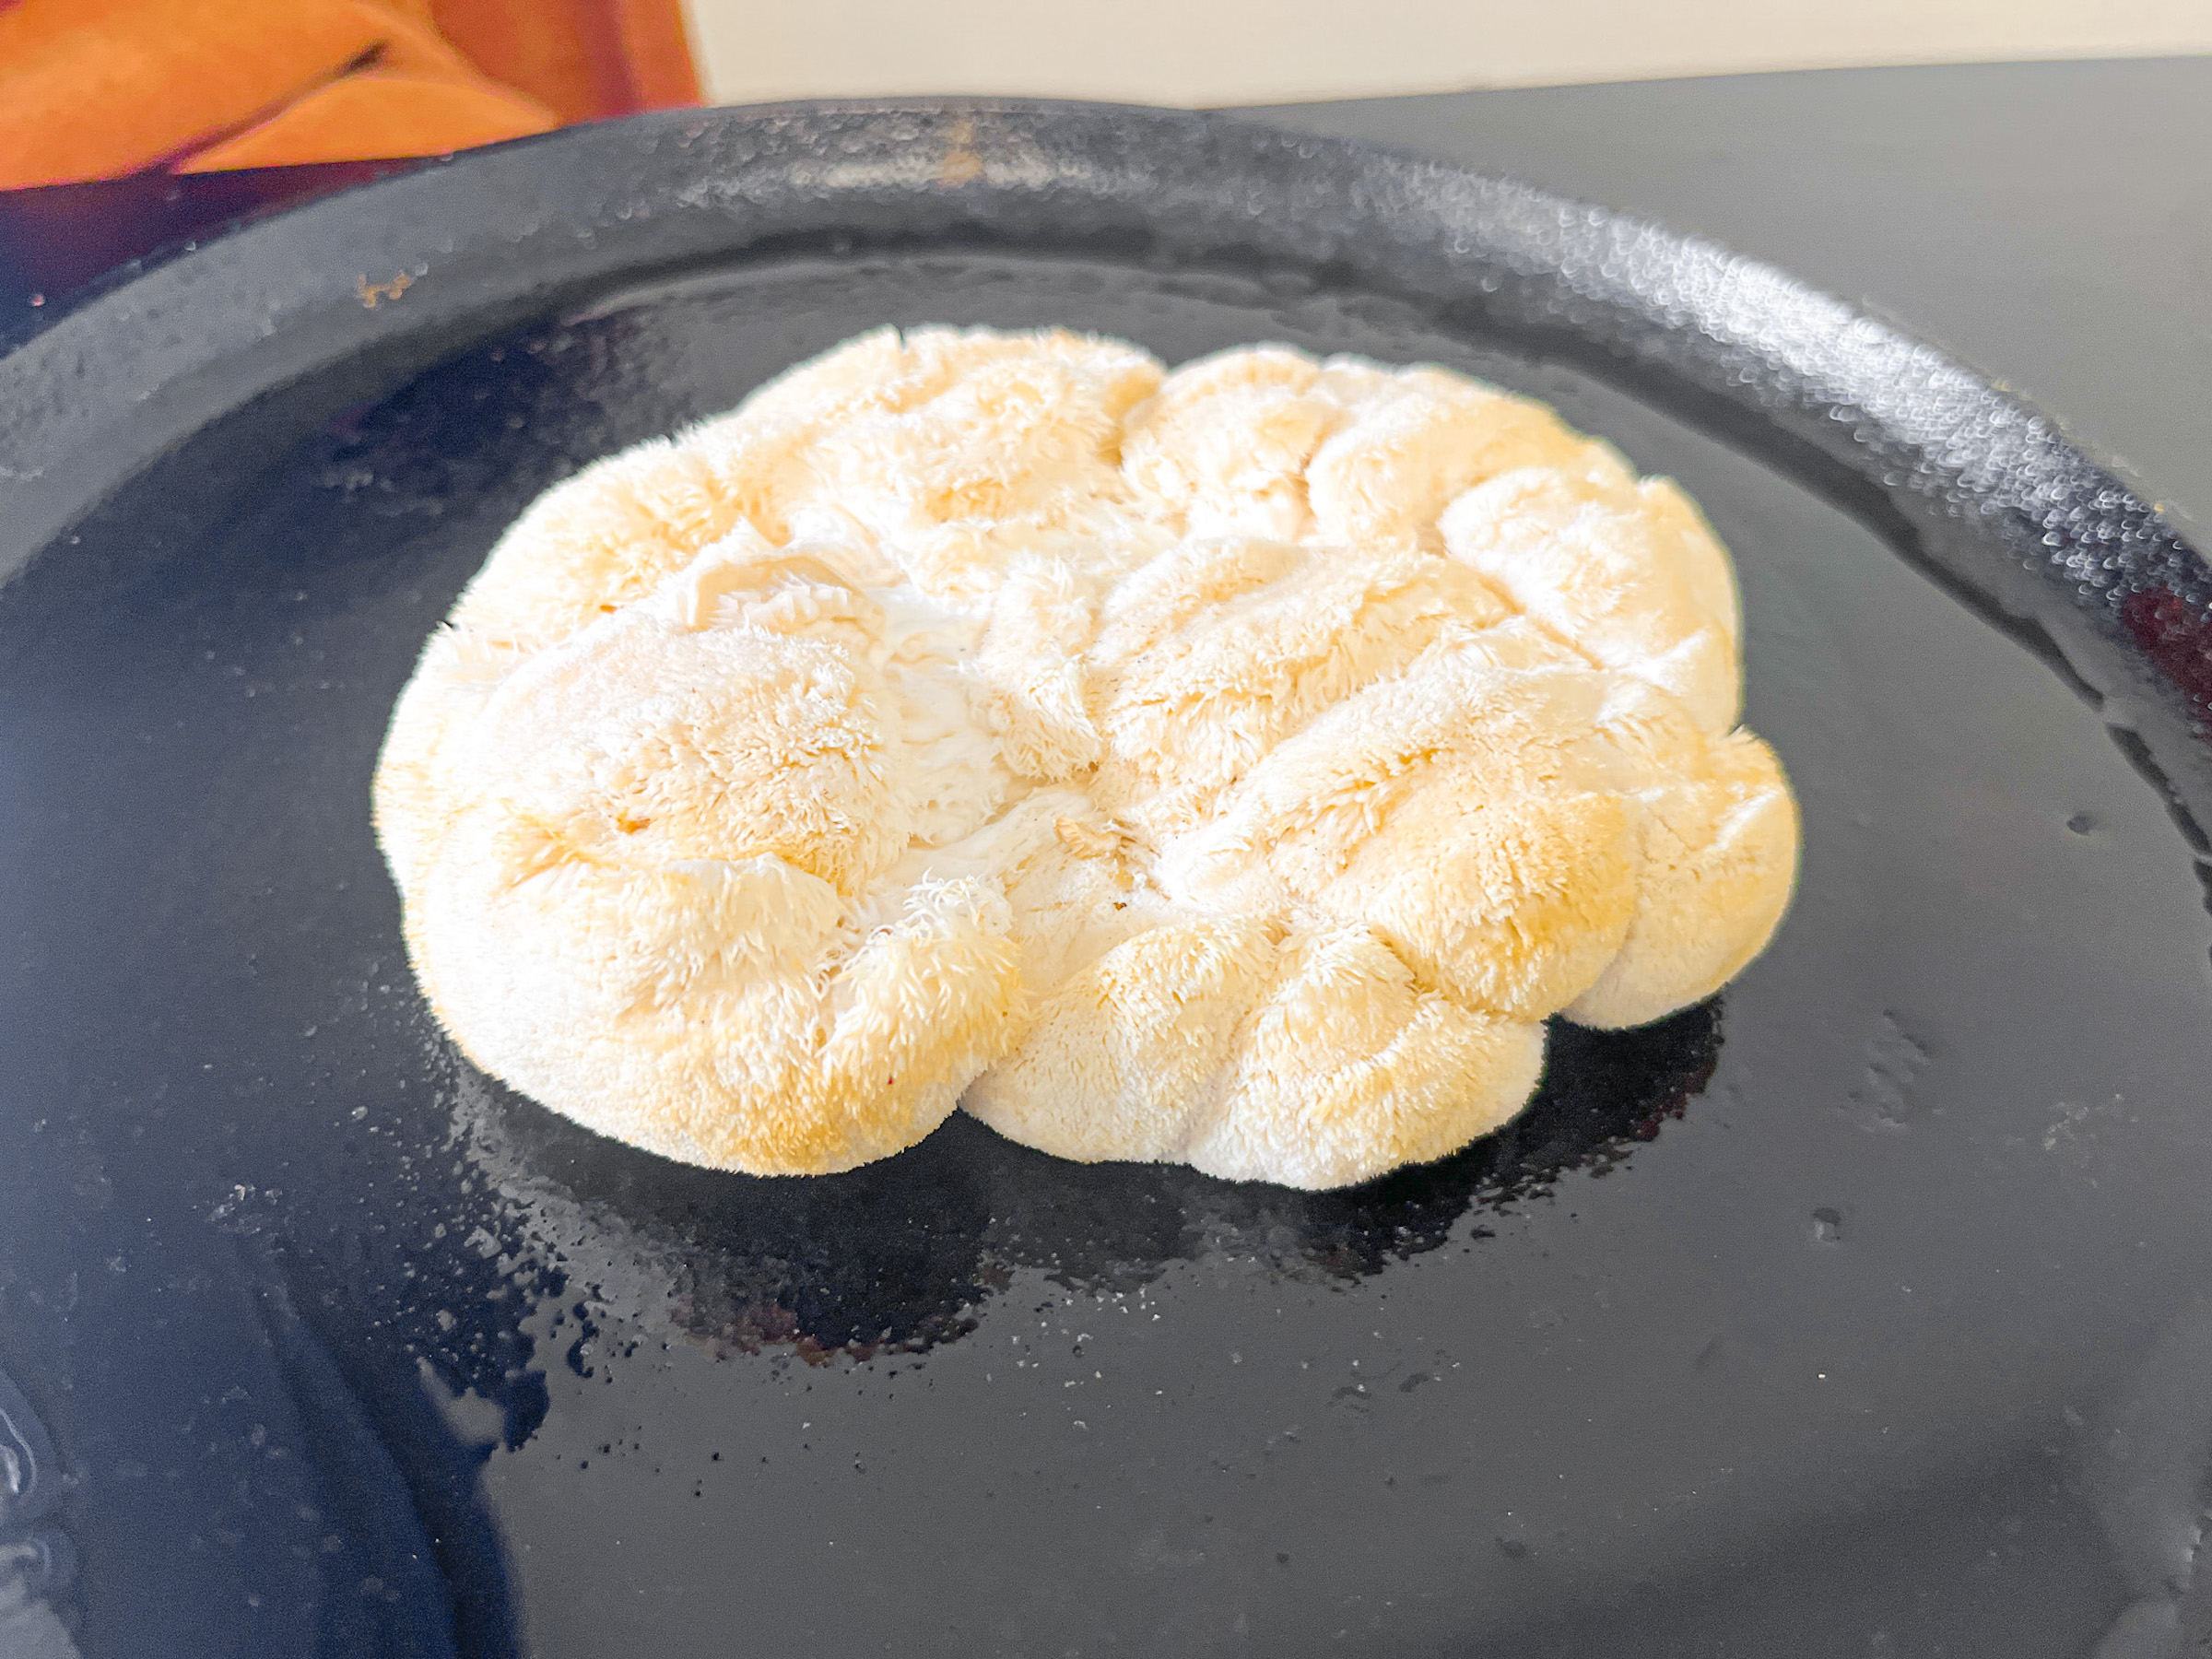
1218 52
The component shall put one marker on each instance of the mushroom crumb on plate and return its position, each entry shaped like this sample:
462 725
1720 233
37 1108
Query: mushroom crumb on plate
1233 766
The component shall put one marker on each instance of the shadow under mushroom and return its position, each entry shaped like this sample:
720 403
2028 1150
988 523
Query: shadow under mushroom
901 1254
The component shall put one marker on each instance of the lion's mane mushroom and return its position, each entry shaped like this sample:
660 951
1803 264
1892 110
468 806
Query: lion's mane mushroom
1234 766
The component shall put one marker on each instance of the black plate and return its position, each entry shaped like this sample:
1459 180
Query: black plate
1856 1312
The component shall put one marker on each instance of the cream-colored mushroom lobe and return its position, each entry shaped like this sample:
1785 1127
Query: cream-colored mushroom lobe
1234 766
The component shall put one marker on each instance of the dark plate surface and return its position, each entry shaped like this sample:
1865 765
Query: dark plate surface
1859 1312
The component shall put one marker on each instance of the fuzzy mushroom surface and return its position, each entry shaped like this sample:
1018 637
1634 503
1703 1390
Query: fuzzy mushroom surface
1234 766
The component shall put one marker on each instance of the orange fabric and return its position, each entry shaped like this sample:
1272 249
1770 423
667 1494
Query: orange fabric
581 58
378 113
94 88
657 49
542 47
97 89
